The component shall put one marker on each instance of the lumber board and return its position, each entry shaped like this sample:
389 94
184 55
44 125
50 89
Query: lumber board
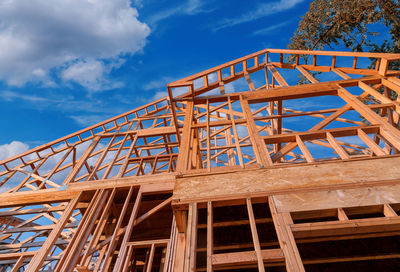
364 196
247 257
281 180
158 183
350 227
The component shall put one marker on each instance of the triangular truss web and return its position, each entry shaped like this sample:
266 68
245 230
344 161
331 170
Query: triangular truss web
269 109
246 102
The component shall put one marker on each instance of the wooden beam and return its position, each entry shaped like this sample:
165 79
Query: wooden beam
247 257
382 98
338 148
210 237
304 149
383 66
186 136
286 239
259 148
128 232
37 260
111 247
340 73
162 182
151 257
370 143
254 234
388 131
306 74
249 81
282 82
287 179
348 227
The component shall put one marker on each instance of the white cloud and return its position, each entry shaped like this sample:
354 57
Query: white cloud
11 149
10 96
302 104
88 120
64 103
190 7
91 74
175 92
164 14
270 28
193 6
260 11
158 95
158 84
138 3
39 35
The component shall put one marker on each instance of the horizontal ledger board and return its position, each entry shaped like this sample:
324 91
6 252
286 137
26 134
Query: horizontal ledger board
149 184
365 196
289 179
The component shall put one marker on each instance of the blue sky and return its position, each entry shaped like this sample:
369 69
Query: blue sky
65 65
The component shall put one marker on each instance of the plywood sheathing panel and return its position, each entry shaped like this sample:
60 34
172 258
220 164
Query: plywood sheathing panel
308 201
284 180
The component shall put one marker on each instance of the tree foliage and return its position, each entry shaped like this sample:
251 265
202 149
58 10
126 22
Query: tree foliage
332 23
329 23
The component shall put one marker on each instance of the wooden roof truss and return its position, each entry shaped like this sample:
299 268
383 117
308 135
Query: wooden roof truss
229 171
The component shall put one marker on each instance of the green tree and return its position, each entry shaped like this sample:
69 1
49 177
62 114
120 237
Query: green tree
332 23
329 23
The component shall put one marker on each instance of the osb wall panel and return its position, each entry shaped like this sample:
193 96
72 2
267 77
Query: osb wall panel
286 179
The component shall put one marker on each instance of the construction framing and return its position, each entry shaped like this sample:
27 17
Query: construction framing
282 160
